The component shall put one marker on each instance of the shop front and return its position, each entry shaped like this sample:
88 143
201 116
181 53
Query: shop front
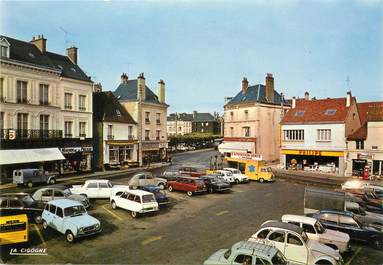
153 151
77 159
367 160
121 153
314 160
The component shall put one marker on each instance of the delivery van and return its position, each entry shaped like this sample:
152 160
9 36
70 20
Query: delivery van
13 229
253 169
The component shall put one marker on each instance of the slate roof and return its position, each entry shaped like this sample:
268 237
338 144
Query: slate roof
256 93
181 117
128 91
314 111
28 53
203 117
106 108
199 117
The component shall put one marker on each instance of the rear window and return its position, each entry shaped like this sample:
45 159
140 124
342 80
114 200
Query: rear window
148 198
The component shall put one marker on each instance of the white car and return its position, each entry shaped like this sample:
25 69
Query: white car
135 201
315 231
369 218
295 245
237 174
225 175
98 189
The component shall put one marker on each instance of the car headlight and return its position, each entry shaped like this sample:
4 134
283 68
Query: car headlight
81 230
97 226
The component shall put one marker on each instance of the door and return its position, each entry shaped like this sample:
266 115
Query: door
295 249
136 205
47 195
58 194
51 215
57 221
127 201
104 190
310 232
278 239
350 227
92 190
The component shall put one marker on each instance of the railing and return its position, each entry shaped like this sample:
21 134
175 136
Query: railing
83 135
68 106
131 137
13 134
158 122
68 135
110 137
44 102
23 101
147 138
147 121
81 108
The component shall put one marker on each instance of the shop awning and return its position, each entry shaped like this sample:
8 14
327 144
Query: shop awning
19 156
229 147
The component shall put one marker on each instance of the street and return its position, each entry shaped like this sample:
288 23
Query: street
188 232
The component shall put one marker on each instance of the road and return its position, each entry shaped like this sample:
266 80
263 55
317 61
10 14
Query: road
186 233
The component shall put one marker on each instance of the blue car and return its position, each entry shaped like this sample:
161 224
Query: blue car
159 194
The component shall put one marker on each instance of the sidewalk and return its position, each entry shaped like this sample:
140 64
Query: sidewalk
99 174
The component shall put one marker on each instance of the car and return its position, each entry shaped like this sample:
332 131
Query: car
171 175
247 252
98 189
31 176
315 231
136 201
237 174
348 223
190 171
225 175
14 205
365 216
363 184
215 184
69 218
190 185
159 194
146 178
368 196
295 245
51 193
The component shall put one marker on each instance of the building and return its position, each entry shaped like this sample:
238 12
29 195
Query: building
46 102
365 145
149 111
179 123
251 120
196 122
314 133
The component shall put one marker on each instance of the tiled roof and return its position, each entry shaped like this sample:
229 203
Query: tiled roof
107 108
26 52
360 134
256 93
317 111
128 91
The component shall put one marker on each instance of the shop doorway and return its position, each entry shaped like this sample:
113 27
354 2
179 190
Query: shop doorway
358 166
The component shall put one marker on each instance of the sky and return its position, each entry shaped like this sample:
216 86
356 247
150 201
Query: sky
203 49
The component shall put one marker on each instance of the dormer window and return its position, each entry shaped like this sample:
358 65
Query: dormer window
4 48
330 112
299 113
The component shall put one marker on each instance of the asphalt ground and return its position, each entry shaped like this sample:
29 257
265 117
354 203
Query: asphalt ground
190 230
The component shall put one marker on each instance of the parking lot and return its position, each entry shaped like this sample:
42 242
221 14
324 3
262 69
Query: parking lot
187 232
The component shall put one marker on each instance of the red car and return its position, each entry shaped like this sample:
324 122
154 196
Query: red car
190 171
188 184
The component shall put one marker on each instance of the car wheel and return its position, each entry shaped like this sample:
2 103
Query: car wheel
69 237
323 262
45 225
52 181
170 188
134 214
30 184
237 181
37 219
378 243
189 193
261 180
113 204
162 186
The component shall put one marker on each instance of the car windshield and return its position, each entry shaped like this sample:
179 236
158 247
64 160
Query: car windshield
279 258
320 229
74 211
67 192
357 220
269 169
236 171
110 185
229 174
215 180
304 237
227 254
148 198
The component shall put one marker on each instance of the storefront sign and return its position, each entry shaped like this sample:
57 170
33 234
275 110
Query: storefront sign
248 156
73 150
310 153
365 156
150 146
11 134
87 148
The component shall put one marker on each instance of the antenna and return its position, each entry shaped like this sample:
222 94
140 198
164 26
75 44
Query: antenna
66 36
348 82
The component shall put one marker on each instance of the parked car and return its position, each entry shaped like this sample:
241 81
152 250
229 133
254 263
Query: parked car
69 218
135 201
237 175
363 184
247 252
190 171
188 184
14 205
366 217
171 175
146 178
225 175
293 242
159 194
215 184
98 189
348 223
315 231
47 194
31 176
368 196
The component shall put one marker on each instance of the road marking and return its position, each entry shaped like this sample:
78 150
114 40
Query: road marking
39 233
268 194
221 213
151 239
112 213
353 256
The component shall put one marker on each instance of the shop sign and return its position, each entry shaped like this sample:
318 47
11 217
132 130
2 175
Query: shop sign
248 156
70 150
87 148
310 153
11 134
150 146
364 156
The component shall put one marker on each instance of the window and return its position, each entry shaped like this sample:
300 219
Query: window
2 90
15 204
231 131
52 208
246 114
324 135
58 193
104 185
4 51
21 92
82 129
293 239
299 113
59 212
260 261
110 132
68 101
81 102
293 135
231 115
277 236
359 144
347 220
44 94
44 125
330 112
3 203
243 259
1 120
130 132
158 118
22 121
92 185
158 133
147 115
47 193
68 129
147 133
131 197
137 199
263 234
246 131
308 228
330 218
113 154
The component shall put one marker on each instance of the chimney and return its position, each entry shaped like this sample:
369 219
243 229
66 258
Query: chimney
245 85
141 87
161 91
40 42
293 103
307 96
194 114
72 54
269 87
348 99
97 87
124 78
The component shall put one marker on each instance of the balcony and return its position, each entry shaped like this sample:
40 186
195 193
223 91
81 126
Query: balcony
44 103
11 134
83 135
147 139
82 108
68 135
68 106
131 137
110 137
158 122
23 101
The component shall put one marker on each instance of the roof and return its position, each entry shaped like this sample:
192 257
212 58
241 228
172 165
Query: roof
261 249
97 180
128 91
359 134
194 117
64 203
256 93
139 192
107 108
330 110
27 52
282 225
336 212
203 116
180 117
299 218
